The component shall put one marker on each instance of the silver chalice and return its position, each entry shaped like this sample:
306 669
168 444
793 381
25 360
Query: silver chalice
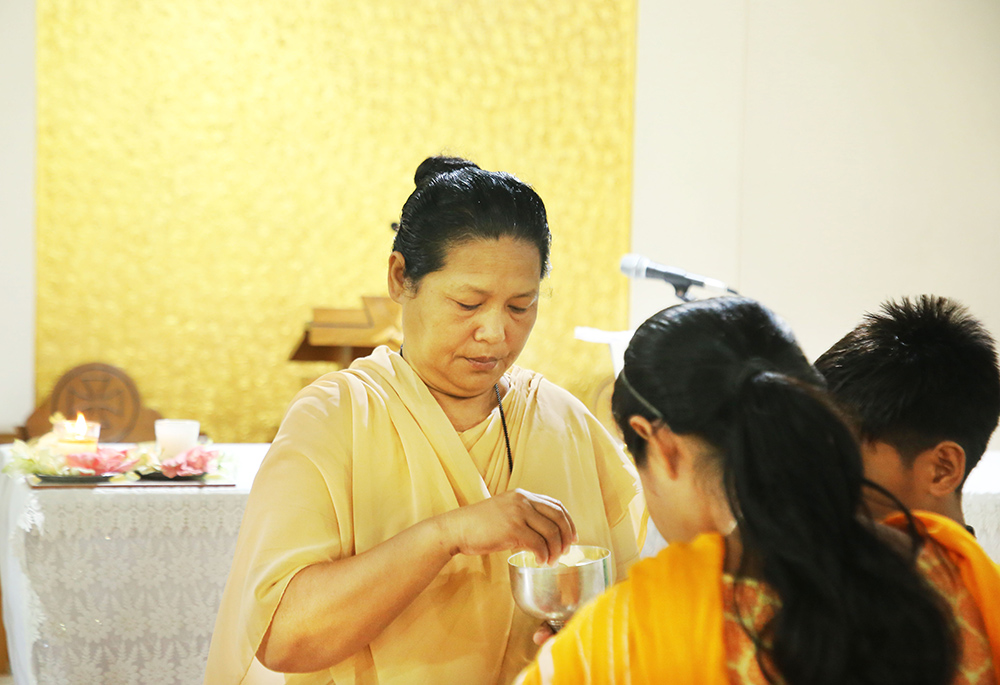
553 593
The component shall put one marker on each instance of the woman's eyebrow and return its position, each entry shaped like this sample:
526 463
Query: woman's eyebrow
480 291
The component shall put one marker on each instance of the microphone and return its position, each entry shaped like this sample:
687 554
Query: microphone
637 266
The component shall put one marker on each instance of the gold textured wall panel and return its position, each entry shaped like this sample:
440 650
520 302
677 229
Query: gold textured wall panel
210 170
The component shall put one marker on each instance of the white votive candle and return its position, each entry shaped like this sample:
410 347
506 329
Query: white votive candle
174 436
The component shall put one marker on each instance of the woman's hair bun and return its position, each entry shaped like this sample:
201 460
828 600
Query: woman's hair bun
432 167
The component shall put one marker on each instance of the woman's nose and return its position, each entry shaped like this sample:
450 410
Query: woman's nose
490 327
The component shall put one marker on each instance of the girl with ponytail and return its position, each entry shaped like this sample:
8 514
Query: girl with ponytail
774 574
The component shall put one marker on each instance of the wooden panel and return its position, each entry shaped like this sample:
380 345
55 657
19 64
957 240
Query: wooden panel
103 393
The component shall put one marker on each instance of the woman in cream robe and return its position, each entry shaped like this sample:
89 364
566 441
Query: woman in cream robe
366 454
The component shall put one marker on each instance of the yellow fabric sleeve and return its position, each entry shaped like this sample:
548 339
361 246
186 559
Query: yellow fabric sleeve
663 625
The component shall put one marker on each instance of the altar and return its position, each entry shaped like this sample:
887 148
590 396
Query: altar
118 585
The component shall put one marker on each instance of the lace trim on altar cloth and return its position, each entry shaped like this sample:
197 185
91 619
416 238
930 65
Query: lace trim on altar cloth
123 589
121 517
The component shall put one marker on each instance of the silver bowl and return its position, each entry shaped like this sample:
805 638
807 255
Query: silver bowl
554 593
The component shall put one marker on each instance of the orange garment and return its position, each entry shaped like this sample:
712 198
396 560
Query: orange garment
674 620
757 604
673 602
979 574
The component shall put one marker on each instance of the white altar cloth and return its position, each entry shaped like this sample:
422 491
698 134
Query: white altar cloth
981 503
117 585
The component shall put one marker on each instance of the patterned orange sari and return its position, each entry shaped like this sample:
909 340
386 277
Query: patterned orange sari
757 604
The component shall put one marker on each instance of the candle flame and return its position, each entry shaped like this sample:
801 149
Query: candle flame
80 427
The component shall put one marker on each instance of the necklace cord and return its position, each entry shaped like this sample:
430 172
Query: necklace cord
503 421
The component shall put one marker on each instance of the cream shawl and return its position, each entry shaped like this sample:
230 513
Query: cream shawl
367 452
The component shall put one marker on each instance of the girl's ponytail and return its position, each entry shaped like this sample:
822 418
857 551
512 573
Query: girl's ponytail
852 609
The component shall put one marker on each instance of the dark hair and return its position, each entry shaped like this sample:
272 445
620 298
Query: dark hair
455 201
853 610
918 372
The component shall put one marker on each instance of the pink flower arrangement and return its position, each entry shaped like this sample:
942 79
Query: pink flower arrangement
103 462
193 462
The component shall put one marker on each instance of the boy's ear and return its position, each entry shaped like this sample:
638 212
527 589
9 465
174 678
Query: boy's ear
941 468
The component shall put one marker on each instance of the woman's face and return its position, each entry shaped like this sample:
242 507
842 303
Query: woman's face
466 323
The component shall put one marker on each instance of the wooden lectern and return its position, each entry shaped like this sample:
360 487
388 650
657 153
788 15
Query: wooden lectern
343 335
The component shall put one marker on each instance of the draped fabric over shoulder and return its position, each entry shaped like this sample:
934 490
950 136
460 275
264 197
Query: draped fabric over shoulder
979 574
367 452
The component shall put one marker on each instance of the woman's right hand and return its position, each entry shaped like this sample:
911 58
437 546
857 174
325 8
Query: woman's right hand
332 609
518 520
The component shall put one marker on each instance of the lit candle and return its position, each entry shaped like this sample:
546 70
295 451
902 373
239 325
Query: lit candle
73 437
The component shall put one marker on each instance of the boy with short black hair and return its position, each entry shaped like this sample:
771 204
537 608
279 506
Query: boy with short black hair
920 382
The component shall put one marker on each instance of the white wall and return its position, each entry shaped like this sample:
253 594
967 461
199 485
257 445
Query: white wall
820 156
17 212
688 142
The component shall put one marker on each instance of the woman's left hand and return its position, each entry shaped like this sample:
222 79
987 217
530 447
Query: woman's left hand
543 634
